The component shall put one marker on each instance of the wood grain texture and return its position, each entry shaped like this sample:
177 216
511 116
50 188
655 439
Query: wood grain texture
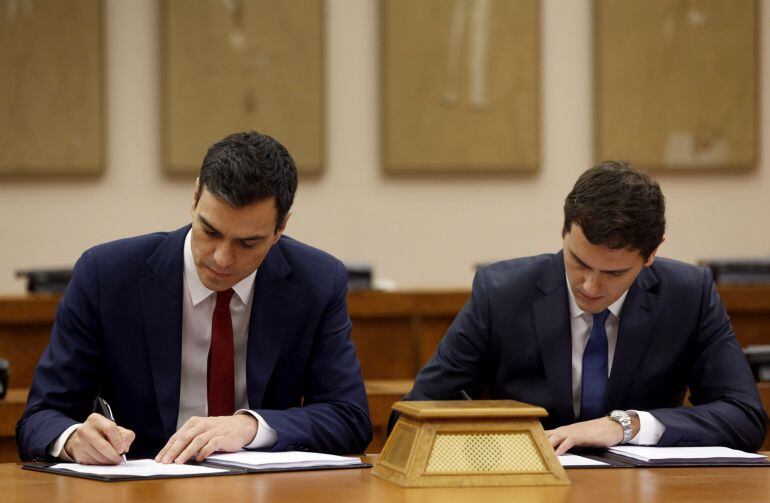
468 409
683 485
457 450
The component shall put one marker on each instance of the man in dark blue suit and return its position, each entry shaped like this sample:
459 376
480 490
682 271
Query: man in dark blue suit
602 335
218 336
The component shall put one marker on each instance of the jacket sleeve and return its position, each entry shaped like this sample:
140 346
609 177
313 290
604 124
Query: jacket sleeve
334 416
66 377
727 410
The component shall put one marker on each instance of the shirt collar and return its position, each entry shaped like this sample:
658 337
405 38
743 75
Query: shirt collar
244 289
575 311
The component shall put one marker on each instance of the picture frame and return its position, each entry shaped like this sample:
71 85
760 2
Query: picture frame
52 99
239 65
677 83
460 86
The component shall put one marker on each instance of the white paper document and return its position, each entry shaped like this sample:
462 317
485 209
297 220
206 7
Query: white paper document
139 468
572 460
647 454
277 460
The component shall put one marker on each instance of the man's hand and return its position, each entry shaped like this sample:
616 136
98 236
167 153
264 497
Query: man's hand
98 441
601 432
199 437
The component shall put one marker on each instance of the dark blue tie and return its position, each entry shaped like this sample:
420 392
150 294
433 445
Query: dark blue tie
594 369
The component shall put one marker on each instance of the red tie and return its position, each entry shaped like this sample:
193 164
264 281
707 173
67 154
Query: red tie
221 376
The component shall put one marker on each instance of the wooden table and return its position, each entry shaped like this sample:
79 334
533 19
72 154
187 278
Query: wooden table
340 486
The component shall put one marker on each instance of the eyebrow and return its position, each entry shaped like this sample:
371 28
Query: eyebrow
611 271
205 222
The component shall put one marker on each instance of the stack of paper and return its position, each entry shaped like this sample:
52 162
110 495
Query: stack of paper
653 454
139 468
574 461
281 460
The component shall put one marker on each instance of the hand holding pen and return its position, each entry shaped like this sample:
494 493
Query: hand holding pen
106 411
99 440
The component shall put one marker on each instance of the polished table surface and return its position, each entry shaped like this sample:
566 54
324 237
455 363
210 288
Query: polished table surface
342 486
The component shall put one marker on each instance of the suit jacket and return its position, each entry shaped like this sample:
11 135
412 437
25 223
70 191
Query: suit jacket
118 334
513 339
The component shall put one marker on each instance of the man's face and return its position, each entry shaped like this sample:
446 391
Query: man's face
597 274
230 243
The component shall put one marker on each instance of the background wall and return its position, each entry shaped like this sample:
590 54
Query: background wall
419 232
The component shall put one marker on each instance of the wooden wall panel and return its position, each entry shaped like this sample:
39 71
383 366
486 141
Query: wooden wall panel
460 86
241 65
677 83
51 92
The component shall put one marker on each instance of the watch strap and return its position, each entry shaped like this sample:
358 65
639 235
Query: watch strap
622 418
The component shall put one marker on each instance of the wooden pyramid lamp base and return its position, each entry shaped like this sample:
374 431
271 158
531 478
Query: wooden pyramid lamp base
467 444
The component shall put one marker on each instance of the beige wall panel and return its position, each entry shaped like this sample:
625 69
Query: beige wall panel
460 85
51 87
677 82
240 65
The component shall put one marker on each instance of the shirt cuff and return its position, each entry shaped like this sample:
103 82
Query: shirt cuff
650 429
57 448
266 437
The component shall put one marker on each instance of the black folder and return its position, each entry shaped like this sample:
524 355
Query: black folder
615 460
229 470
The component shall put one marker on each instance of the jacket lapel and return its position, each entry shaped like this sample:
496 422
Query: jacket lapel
271 311
551 313
161 293
634 334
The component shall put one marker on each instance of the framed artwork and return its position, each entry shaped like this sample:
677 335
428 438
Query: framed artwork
238 65
676 83
460 86
51 92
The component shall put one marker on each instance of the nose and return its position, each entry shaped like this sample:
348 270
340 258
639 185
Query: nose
591 285
223 256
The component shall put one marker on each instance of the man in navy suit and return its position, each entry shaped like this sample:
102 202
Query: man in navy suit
603 335
221 335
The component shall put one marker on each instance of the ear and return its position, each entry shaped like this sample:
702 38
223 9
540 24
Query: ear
282 228
651 258
195 195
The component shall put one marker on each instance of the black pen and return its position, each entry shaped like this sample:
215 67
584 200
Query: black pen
106 411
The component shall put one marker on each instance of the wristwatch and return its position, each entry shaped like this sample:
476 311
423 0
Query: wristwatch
625 422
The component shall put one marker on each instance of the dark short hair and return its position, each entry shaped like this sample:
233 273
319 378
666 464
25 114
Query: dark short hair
246 168
617 206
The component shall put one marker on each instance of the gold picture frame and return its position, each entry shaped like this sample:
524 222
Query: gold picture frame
240 65
677 83
460 86
51 91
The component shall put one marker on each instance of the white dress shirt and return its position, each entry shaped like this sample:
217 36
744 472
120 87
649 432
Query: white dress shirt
198 305
650 429
197 311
